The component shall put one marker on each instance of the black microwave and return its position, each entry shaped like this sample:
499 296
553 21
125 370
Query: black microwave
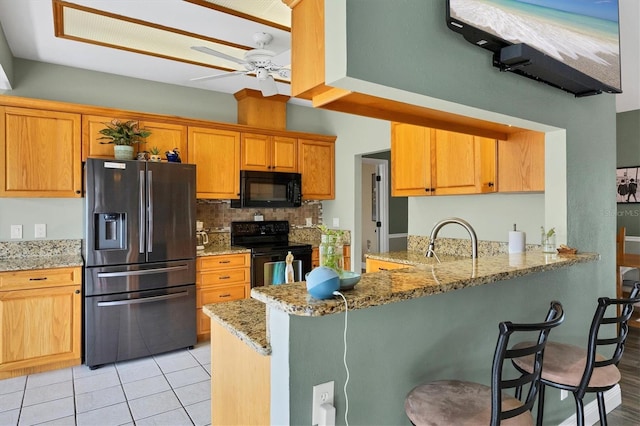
269 189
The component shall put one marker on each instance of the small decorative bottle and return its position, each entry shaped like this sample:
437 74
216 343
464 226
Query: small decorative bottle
288 270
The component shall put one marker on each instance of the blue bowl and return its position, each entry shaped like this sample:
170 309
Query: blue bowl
348 280
322 282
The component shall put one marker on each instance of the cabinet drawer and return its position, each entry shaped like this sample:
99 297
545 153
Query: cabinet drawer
231 276
40 278
223 261
221 294
374 265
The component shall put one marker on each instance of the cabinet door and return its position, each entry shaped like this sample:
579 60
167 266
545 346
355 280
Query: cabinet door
316 163
454 156
375 265
521 163
91 144
39 326
410 160
216 153
40 153
255 152
284 154
166 137
488 163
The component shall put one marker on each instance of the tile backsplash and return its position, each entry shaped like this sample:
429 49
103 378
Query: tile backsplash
218 214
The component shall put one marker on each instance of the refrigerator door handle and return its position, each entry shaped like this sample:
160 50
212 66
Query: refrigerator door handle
141 212
142 272
150 224
143 300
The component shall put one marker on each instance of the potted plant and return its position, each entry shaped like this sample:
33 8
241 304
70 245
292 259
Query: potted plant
330 250
123 135
154 154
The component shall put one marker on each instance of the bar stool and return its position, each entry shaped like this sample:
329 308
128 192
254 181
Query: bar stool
581 370
454 402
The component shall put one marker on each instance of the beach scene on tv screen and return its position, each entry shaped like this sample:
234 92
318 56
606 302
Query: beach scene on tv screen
581 33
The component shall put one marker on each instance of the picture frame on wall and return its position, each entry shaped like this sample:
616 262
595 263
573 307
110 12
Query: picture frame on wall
627 185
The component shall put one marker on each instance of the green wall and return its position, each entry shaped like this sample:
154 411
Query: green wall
404 50
6 58
628 155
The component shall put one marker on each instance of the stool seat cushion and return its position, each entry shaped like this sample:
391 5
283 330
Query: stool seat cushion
565 364
454 402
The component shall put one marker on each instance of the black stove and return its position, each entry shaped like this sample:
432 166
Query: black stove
269 244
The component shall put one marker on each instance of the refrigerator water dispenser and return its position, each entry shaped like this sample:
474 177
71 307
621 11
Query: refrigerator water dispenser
111 231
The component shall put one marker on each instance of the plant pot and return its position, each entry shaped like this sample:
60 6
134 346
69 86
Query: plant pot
155 158
123 152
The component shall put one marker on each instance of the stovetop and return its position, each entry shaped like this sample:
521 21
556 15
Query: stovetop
266 236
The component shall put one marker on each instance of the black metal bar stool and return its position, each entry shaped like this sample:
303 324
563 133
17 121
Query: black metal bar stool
453 402
581 370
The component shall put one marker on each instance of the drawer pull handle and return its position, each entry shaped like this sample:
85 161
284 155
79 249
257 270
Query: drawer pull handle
225 295
77 291
224 261
225 277
383 269
38 279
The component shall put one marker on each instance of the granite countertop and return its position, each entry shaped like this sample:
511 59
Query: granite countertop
40 262
424 279
246 319
412 258
217 249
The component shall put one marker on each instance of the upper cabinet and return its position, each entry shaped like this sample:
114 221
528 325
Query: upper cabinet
428 161
316 163
216 154
164 136
40 154
268 153
521 162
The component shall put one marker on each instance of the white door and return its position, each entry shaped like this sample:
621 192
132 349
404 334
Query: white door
374 211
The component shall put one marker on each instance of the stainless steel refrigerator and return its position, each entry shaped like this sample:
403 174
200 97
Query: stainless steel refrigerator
140 249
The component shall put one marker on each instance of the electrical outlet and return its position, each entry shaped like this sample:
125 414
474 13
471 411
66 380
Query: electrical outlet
16 232
40 230
322 394
336 222
563 394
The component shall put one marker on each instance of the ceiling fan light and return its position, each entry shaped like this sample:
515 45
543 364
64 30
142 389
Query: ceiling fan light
262 73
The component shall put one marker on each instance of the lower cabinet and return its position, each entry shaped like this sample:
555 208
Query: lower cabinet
375 265
40 320
220 278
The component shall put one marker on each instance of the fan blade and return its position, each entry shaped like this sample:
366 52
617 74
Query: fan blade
221 55
211 77
268 86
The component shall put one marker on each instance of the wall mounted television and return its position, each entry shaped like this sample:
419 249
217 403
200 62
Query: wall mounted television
573 45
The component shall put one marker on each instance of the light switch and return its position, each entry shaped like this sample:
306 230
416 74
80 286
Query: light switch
336 222
40 230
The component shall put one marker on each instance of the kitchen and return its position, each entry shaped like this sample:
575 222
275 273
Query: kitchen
590 134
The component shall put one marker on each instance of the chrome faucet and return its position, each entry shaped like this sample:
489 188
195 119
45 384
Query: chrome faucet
463 223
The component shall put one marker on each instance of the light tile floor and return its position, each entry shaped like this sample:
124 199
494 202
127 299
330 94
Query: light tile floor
167 389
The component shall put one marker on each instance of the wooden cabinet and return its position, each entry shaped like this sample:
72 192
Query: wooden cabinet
316 163
219 279
165 136
40 153
268 153
375 265
40 320
521 162
346 257
216 154
428 161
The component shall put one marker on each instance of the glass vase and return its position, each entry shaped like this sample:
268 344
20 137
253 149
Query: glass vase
548 243
330 253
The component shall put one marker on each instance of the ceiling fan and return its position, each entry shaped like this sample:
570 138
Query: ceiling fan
257 62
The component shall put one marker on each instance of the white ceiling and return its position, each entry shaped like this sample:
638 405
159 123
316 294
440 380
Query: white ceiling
29 29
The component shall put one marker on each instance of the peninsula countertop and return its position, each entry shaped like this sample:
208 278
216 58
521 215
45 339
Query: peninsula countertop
426 278
247 320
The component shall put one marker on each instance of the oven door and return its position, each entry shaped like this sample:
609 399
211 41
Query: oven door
132 325
262 262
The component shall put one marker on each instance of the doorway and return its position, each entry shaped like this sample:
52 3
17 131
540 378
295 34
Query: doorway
375 207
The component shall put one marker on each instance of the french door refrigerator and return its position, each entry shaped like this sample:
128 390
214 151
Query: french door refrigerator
140 249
